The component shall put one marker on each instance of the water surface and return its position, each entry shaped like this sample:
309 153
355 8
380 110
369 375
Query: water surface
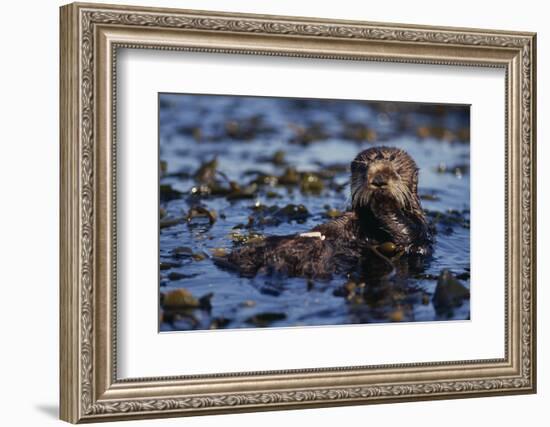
253 138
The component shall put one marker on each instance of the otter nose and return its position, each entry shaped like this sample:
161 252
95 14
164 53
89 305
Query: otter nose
379 181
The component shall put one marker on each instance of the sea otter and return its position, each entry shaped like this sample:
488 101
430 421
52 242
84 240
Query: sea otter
385 212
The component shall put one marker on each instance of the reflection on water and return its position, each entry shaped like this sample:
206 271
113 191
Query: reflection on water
237 168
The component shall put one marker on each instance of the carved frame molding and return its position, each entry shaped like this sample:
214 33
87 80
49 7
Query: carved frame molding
90 37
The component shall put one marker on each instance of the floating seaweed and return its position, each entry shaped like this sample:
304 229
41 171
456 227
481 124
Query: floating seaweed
308 182
450 218
245 129
250 237
182 251
275 215
163 167
199 212
262 320
332 213
443 133
218 252
305 135
171 221
219 323
179 299
168 193
238 193
449 294
278 158
207 172
359 132
179 305
175 275
311 183
387 249
168 265
289 177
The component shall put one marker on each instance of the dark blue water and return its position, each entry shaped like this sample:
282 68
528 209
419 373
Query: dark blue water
244 134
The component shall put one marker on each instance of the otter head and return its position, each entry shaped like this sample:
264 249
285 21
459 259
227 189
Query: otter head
384 176
384 185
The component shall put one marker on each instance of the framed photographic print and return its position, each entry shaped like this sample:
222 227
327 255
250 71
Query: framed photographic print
265 212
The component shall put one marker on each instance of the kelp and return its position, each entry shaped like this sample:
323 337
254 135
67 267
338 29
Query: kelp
449 294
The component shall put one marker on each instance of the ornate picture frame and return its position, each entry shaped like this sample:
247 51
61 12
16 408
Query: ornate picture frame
90 37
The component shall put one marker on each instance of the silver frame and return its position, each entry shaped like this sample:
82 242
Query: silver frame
90 37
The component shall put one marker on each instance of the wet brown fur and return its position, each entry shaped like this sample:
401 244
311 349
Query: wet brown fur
385 208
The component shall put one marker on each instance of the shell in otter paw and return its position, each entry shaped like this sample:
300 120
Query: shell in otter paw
314 234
